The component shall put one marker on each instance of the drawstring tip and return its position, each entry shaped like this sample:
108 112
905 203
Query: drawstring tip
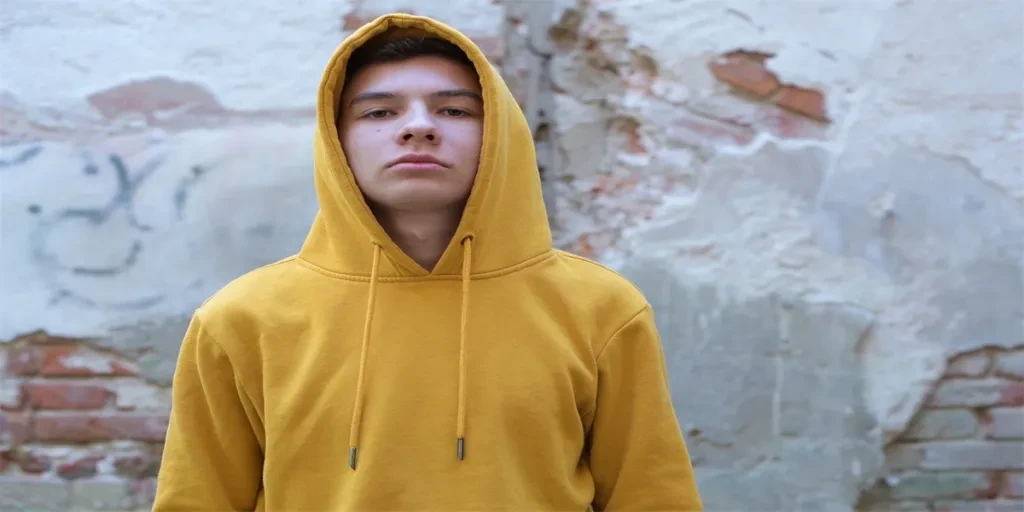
352 457
462 448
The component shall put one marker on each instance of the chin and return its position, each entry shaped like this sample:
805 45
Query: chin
424 200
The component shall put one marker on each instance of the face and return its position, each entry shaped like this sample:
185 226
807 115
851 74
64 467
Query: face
411 132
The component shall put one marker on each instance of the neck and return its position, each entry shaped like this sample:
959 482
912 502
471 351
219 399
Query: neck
422 235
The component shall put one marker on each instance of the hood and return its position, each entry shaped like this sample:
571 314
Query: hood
505 215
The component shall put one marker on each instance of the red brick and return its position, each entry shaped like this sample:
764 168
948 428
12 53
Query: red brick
84 428
77 361
151 96
136 465
806 102
14 427
745 71
65 396
22 362
706 132
1012 394
31 462
80 466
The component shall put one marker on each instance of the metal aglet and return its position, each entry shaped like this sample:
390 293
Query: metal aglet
352 457
462 448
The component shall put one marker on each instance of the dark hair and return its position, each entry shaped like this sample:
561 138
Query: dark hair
402 48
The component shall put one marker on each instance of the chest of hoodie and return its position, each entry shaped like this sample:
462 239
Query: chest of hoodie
526 371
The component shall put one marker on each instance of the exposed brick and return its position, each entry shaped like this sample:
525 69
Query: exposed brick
22 361
943 424
974 364
1010 364
83 428
14 427
956 455
706 132
149 97
1013 485
988 392
33 493
65 396
137 464
746 72
806 102
30 461
1004 422
80 466
78 361
938 485
980 506
101 494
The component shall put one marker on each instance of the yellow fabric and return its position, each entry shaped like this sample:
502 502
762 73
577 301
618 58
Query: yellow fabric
511 377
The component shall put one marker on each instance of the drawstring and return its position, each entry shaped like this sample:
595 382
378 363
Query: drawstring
460 433
357 412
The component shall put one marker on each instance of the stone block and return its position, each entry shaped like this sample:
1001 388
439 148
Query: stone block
943 424
979 506
1013 485
937 485
973 364
101 494
988 392
1010 364
31 493
1005 423
956 455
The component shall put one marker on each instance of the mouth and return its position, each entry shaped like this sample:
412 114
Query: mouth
417 161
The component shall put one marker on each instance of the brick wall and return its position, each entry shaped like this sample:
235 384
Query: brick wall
964 451
79 428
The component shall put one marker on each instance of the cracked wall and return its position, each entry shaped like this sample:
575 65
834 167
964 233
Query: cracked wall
823 200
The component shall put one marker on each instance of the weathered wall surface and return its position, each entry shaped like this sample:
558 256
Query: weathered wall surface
823 200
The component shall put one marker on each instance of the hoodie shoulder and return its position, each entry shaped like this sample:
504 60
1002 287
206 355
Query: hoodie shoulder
239 307
615 298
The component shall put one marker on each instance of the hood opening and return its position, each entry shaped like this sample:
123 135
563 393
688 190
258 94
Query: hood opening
505 213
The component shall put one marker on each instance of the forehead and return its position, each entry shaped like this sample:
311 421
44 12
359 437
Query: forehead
417 75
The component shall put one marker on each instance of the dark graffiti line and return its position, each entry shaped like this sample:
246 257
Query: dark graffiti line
123 197
129 262
23 157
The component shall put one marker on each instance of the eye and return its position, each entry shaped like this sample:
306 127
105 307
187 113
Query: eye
377 114
455 112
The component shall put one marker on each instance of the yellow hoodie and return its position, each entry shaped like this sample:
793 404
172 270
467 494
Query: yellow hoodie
511 377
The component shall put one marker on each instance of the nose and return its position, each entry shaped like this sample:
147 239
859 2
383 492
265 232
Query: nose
419 127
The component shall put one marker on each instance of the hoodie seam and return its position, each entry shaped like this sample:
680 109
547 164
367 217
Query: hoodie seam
530 262
604 346
231 363
625 324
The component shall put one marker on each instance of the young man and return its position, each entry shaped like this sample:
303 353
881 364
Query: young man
427 348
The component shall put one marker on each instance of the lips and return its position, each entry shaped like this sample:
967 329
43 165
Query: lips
416 160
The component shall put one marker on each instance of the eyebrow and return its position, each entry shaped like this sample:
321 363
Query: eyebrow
384 95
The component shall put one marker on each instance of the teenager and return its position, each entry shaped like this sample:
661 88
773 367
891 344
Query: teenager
426 348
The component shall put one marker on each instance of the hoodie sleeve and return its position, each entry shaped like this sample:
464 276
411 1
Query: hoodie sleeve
212 459
638 457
